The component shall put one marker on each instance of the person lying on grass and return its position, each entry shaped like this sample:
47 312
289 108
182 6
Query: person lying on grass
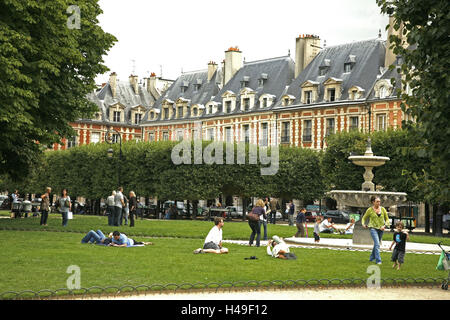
121 240
277 248
213 241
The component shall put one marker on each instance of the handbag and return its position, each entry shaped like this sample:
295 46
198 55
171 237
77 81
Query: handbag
253 216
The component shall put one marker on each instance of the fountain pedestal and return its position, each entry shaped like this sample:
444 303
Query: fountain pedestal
361 235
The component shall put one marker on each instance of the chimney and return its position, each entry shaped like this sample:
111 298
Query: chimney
113 83
390 56
233 62
151 86
212 67
306 48
134 83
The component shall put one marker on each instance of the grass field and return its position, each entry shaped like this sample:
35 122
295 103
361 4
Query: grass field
33 259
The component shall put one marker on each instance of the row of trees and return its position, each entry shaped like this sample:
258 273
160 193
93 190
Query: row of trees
149 170
156 169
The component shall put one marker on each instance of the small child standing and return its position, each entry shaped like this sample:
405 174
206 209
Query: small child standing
317 229
400 238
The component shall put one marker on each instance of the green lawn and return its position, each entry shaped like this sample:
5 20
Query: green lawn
36 260
174 228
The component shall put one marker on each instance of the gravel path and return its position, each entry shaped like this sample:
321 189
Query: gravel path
410 293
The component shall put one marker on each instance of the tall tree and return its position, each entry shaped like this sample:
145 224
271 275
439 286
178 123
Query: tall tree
50 53
424 47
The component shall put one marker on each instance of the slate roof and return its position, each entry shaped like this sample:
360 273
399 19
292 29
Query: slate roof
200 94
368 59
277 73
125 95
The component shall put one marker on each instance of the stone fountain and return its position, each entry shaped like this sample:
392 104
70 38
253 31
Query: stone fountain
361 198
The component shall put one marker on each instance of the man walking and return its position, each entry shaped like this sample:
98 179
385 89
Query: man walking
291 213
273 204
118 205
300 220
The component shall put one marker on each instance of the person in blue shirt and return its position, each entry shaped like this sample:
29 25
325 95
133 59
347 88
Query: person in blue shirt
121 240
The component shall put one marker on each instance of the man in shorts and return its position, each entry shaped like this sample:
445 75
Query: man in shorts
213 241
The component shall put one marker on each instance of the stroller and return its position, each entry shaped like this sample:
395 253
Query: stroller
443 264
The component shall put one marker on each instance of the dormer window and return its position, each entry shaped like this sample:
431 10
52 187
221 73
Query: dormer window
383 89
197 85
266 100
324 67
287 100
137 118
180 112
310 91
355 92
347 67
184 86
332 89
246 102
349 63
210 109
332 94
227 106
116 116
308 96
245 81
166 113
262 79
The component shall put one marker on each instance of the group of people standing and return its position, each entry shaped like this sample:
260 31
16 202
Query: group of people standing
120 208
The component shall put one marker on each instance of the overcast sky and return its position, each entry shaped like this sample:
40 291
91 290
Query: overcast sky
176 35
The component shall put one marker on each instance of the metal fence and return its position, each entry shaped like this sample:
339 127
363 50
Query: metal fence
201 287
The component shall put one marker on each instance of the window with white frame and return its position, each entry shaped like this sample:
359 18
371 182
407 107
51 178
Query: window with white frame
330 128
71 142
307 130
381 122
116 116
210 134
180 135
246 102
95 137
308 96
137 118
246 130
264 134
285 132
354 123
151 136
165 136
228 134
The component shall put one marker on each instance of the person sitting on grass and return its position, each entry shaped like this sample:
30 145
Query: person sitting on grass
326 226
121 240
348 228
400 238
213 241
277 248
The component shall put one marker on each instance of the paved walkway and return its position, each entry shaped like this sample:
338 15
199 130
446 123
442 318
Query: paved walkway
347 244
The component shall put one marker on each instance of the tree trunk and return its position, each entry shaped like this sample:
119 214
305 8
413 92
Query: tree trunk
427 217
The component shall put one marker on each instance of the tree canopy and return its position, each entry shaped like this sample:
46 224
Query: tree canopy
50 54
425 48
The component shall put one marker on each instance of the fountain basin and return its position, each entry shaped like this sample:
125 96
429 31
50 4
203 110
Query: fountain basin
354 198
368 161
